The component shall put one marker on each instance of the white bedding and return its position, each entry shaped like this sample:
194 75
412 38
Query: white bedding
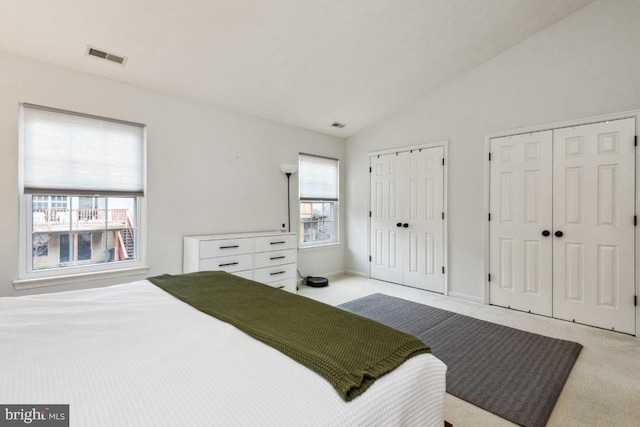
132 355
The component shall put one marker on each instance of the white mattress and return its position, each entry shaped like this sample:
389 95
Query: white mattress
134 355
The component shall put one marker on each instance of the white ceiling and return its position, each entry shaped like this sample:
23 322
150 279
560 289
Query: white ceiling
305 63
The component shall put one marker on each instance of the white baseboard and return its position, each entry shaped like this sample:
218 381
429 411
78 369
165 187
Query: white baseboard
334 274
466 297
356 273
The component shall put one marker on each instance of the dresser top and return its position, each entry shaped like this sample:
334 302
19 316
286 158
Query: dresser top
241 235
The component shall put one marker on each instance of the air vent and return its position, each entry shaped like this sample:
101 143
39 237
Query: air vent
338 125
118 59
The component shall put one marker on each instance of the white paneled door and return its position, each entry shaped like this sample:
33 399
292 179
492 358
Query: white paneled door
594 207
521 222
407 224
388 177
562 235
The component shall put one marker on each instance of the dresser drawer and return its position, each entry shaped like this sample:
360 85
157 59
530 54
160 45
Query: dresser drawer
277 242
268 259
225 247
230 264
274 274
286 284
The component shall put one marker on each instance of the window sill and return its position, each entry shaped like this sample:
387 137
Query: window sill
318 247
41 282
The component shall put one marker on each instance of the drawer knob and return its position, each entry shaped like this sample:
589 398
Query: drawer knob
277 272
277 257
278 243
229 247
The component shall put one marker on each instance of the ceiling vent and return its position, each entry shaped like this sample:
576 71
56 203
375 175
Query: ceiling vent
118 59
338 125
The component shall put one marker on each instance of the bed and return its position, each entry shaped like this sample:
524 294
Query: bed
134 355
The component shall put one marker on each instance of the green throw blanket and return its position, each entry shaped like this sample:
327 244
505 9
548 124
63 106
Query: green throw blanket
350 351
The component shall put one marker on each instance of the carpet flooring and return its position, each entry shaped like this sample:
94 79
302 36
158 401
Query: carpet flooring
514 374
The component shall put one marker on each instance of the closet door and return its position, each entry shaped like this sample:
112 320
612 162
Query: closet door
407 227
594 186
423 259
388 174
521 222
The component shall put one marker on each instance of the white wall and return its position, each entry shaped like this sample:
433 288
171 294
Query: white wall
210 170
585 65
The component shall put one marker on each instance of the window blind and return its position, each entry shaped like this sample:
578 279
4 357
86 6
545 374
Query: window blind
70 153
318 178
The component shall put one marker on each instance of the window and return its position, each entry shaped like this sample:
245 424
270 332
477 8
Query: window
82 192
79 228
64 249
49 202
319 190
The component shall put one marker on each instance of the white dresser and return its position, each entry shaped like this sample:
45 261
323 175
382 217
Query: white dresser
268 257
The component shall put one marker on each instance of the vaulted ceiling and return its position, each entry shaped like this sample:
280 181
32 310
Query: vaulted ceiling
305 63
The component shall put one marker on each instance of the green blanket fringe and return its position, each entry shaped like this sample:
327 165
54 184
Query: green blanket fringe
348 350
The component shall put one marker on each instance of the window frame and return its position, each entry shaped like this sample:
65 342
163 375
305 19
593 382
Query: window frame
302 245
29 278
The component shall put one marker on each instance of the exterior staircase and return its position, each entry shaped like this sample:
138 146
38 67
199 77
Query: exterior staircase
126 236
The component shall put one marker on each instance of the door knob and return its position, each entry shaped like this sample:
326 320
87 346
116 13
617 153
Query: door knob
545 233
405 225
399 224
559 233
